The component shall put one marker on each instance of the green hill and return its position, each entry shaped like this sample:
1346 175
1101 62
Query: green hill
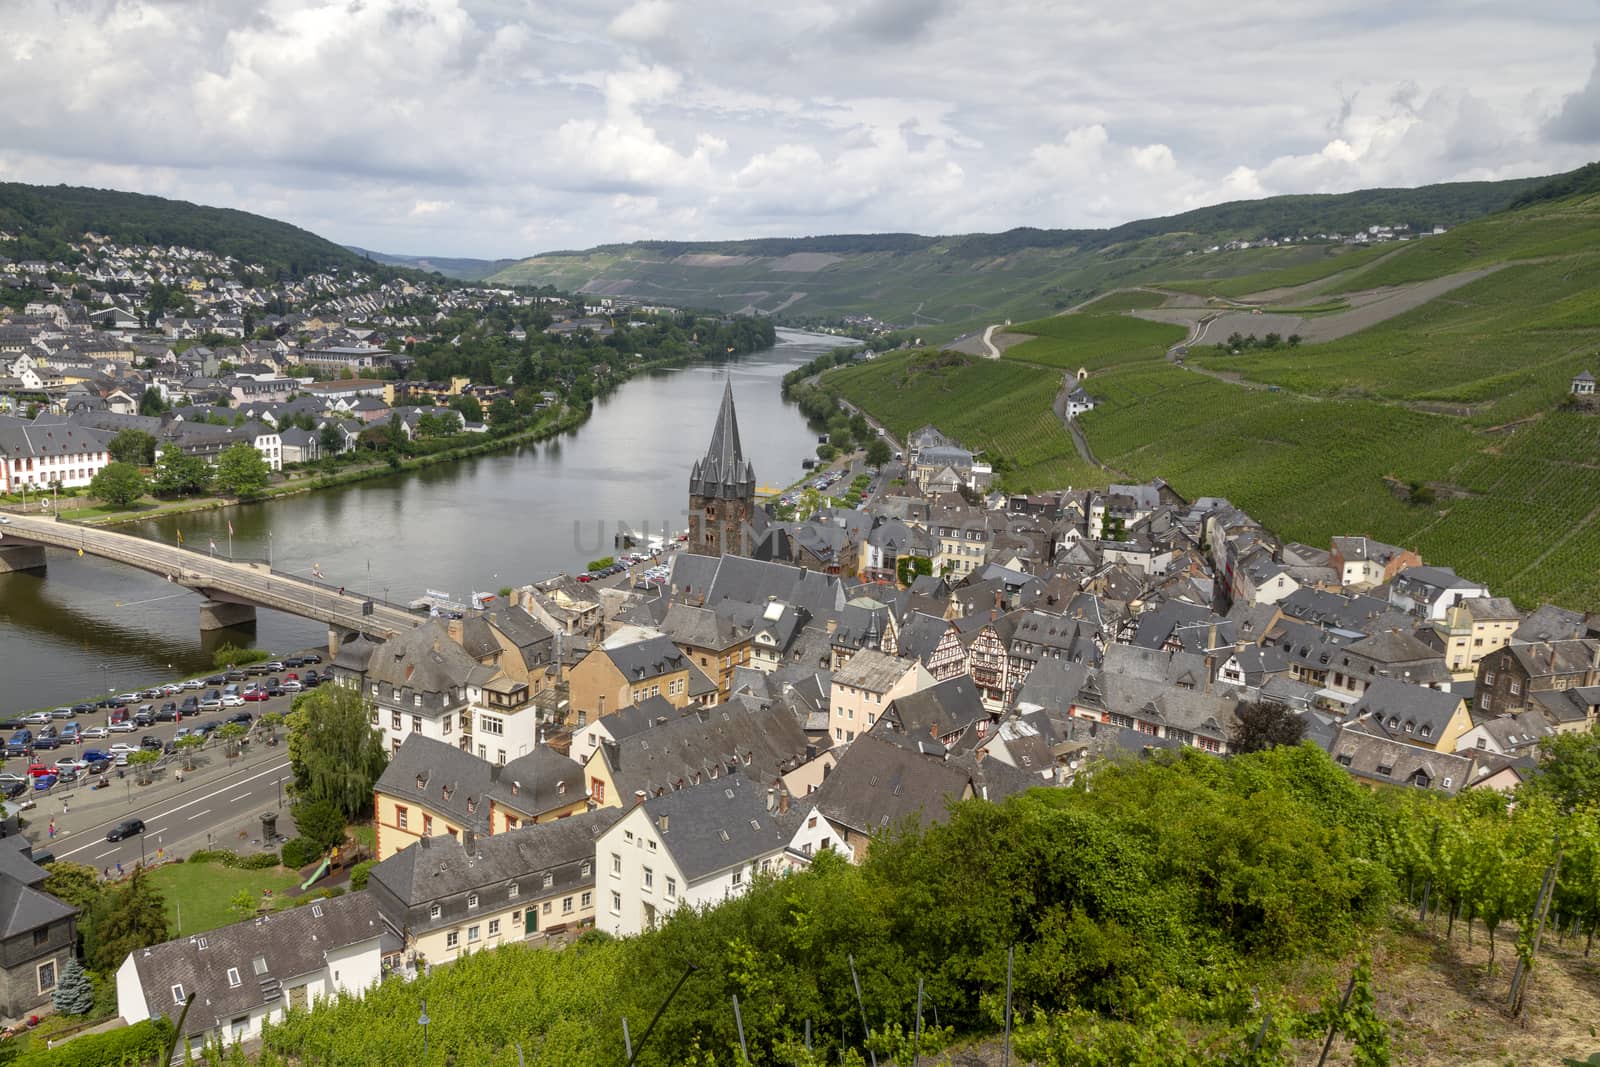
48 218
947 284
1434 416
467 270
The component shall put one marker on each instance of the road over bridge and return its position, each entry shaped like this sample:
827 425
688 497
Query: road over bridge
232 589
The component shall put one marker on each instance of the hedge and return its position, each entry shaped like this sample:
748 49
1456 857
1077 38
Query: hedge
140 1043
228 858
298 852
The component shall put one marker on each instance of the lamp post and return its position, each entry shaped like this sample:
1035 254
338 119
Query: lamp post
423 1021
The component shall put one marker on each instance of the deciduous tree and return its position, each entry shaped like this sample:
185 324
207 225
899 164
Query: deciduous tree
334 750
1263 725
180 474
241 471
119 484
127 918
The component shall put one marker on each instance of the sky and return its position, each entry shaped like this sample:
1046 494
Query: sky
503 128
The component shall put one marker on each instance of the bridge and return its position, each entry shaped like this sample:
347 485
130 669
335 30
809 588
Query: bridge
232 589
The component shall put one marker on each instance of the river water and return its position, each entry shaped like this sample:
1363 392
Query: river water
88 625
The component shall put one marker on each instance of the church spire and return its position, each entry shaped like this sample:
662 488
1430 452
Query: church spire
724 472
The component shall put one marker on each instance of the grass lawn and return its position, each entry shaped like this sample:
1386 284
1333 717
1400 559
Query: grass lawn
200 892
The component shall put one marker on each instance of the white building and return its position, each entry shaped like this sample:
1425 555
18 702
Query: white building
699 846
39 456
243 975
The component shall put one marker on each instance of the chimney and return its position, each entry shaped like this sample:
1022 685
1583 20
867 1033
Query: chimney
783 801
424 842
638 797
772 799
469 841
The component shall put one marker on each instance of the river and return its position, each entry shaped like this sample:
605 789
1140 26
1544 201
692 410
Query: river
87 625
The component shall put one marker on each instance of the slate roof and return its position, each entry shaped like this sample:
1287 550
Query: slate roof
1381 760
877 783
24 907
293 943
649 658
950 707
724 472
424 660
731 739
686 624
462 788
712 579
19 438
1418 715
718 825
1550 623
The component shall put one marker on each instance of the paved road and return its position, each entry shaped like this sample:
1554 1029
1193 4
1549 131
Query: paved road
250 582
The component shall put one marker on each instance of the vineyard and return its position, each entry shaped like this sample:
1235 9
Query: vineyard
1002 408
1251 271
1068 342
1111 303
1186 906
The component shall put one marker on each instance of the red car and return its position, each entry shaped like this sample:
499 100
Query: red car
39 770
255 694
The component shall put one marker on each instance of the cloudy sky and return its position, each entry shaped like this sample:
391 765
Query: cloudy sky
507 127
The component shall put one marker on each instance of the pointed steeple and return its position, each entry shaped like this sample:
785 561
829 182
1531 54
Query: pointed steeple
724 472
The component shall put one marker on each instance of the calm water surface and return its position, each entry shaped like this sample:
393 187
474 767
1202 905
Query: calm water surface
480 524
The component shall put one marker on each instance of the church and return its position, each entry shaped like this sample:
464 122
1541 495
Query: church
723 516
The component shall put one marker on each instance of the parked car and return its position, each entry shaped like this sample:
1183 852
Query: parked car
126 828
82 709
243 718
310 658
68 761
15 790
190 705
274 688
153 693
94 755
119 715
122 748
62 713
232 700
292 685
124 727
216 679
172 689
312 679
211 701
271 668
19 743
38 718
145 716
99 766
293 661
255 694
151 742
93 732
193 683
235 675
49 741
36 770
127 698
71 732
44 781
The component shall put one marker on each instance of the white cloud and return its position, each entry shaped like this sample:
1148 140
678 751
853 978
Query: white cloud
495 127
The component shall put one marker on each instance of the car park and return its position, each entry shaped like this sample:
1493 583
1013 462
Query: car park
124 829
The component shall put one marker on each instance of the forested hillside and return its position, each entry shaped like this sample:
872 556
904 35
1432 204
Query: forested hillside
945 284
48 218
467 270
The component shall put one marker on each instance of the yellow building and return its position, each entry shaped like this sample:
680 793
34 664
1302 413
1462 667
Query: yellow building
611 678
431 789
1474 628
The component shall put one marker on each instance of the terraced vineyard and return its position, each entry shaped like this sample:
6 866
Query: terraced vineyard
1002 408
1094 340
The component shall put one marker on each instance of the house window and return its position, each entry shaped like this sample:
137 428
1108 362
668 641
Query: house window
233 978
452 939
47 977
472 933
1488 677
649 879
400 817
427 825
40 937
512 891
472 900
586 899
566 906
546 907
494 927
1516 688
259 965
491 725
394 720
177 990
585 868
738 877
616 865
416 723
616 903
434 911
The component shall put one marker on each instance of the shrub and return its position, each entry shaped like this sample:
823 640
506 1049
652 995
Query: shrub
234 656
144 1042
298 852
358 874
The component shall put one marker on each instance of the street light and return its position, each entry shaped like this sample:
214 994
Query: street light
423 1021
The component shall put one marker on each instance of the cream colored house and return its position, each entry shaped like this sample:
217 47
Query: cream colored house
865 686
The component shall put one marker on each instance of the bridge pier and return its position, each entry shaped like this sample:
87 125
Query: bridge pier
335 641
220 614
21 558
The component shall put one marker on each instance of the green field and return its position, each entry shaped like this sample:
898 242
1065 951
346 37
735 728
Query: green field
1068 342
1255 270
1121 300
200 893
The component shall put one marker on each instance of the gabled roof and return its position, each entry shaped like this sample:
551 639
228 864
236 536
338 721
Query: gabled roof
1419 714
290 944
736 738
24 907
877 783
645 659
718 825
872 670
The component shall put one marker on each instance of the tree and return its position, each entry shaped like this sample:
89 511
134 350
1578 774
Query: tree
469 407
180 474
909 568
879 452
141 761
187 744
126 919
319 822
73 883
1264 725
502 412
150 403
133 446
330 440
119 484
74 993
1569 769
336 754
244 904
241 471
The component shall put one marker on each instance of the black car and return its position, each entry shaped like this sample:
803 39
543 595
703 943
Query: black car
311 679
191 705
108 702
207 727
243 718
151 742
82 709
99 766
144 718
294 661
126 828
309 658
168 712
216 679
273 687
43 742
16 789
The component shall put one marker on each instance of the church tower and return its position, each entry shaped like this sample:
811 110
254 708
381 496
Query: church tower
722 490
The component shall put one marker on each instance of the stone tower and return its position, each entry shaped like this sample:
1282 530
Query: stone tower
722 490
